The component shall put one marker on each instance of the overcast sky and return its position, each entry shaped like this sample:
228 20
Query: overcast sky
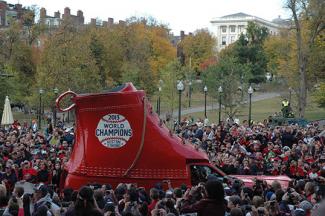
187 15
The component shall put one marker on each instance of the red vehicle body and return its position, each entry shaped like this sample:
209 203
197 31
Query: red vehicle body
118 138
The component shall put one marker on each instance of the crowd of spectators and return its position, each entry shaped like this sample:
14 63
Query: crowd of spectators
32 162
297 152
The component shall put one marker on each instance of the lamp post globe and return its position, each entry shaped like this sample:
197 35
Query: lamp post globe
268 76
180 86
250 92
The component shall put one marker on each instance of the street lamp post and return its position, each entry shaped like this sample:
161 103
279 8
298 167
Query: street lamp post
56 91
220 92
41 91
250 92
158 101
180 88
189 93
68 115
205 89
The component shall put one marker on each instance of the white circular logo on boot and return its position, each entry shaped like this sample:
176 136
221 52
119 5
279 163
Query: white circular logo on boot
113 130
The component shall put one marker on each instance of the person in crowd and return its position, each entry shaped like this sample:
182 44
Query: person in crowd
43 173
212 203
43 200
56 174
85 205
154 195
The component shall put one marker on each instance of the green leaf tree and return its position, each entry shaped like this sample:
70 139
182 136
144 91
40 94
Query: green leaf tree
249 51
319 95
227 74
170 74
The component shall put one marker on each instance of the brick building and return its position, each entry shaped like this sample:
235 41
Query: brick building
10 13
51 21
78 19
55 21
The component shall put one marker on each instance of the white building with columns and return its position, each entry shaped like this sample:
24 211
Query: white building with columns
228 28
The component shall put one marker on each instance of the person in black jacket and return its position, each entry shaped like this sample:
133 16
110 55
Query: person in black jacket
9 177
56 175
43 174
287 137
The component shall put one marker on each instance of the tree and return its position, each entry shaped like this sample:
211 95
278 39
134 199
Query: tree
308 17
170 74
319 95
67 62
277 50
16 58
32 30
98 52
316 64
226 73
198 48
146 49
248 49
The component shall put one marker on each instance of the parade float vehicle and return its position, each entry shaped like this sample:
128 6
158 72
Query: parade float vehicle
119 139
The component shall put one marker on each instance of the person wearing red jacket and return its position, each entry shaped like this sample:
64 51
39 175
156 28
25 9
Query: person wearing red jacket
154 195
28 173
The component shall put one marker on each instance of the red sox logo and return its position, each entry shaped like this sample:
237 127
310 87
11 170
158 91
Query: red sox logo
113 130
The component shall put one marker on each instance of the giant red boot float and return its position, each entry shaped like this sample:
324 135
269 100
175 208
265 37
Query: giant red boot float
120 139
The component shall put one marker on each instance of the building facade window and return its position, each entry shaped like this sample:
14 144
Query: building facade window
232 39
232 29
241 28
223 29
224 40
